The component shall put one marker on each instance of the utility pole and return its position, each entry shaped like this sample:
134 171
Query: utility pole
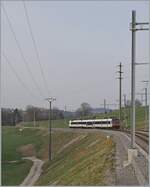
23 118
125 100
125 110
146 106
0 92
50 100
34 117
105 106
133 64
146 114
65 113
133 79
120 93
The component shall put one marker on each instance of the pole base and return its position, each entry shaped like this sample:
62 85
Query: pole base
131 154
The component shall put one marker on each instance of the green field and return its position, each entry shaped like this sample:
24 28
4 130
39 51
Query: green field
14 173
79 157
29 142
60 123
12 140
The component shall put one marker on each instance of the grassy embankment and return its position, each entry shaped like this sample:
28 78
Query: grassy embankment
78 158
126 115
87 161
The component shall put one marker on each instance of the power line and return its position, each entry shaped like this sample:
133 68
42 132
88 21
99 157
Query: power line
18 77
35 46
21 53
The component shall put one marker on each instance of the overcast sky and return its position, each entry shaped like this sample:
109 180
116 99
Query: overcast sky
80 45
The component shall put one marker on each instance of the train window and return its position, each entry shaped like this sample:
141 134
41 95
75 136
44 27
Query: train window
115 121
97 122
89 123
93 122
106 122
74 123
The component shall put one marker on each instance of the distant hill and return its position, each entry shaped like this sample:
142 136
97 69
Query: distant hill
100 110
94 111
68 114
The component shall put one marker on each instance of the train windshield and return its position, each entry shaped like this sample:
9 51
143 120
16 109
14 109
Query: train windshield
115 120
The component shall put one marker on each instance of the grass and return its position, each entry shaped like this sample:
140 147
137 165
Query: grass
13 140
14 173
60 123
77 164
82 163
126 114
74 163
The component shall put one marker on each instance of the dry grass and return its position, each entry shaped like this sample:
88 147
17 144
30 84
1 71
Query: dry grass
27 150
81 164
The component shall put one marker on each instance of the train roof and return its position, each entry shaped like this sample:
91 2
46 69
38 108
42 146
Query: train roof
89 120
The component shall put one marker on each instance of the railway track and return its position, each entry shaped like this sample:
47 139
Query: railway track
141 138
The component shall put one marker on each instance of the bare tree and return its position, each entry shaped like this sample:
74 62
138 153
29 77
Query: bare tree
137 103
84 110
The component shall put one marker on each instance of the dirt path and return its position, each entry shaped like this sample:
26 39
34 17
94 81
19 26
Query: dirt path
34 173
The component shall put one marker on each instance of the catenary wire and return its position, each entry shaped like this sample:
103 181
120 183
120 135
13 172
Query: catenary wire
18 77
35 47
21 53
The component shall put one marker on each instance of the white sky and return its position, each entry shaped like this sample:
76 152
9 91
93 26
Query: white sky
80 45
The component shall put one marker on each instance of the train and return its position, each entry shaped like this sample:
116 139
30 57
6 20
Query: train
109 123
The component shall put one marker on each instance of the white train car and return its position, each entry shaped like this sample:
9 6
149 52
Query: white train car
95 123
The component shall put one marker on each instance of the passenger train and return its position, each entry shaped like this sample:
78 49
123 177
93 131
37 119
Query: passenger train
110 123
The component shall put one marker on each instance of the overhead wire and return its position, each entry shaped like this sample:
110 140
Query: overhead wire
18 77
21 53
35 47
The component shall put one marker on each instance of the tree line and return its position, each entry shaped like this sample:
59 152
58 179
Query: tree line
14 116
